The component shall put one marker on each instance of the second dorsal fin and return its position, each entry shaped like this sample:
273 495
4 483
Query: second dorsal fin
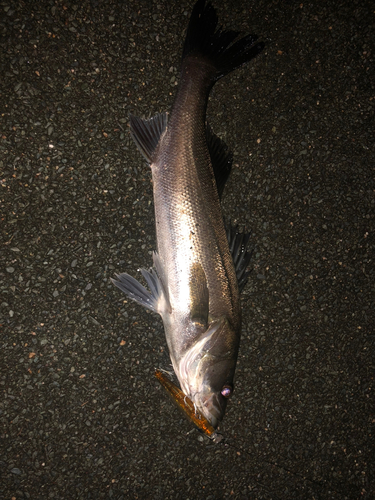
221 159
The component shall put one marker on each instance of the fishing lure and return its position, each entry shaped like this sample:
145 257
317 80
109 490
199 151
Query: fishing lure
187 407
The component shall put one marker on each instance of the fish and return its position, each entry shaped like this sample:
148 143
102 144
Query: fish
200 265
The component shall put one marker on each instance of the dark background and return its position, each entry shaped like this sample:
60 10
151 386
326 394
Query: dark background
81 415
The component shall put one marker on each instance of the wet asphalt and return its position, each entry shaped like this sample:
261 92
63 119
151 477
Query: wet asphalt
81 414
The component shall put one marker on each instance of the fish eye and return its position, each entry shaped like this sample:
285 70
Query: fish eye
226 391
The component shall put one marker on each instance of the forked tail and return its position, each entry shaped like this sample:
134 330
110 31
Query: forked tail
218 46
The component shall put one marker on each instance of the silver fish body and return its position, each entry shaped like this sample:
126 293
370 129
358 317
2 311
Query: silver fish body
194 286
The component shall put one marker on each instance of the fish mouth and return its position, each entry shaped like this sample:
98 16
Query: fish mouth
210 408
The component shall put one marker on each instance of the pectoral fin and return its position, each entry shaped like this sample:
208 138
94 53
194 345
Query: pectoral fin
199 297
157 301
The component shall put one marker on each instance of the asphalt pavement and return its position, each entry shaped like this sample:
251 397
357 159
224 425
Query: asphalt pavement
81 414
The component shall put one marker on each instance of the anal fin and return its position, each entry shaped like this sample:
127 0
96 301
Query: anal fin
147 133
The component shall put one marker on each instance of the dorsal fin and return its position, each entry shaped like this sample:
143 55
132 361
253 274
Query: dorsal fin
239 249
221 159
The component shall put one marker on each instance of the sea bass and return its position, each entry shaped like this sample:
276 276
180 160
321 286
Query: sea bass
199 267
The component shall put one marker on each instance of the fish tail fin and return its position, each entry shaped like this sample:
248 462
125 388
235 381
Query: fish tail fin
218 46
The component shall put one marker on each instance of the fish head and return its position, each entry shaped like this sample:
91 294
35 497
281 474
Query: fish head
207 369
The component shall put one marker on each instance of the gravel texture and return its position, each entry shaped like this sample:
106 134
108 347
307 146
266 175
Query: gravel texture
81 415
